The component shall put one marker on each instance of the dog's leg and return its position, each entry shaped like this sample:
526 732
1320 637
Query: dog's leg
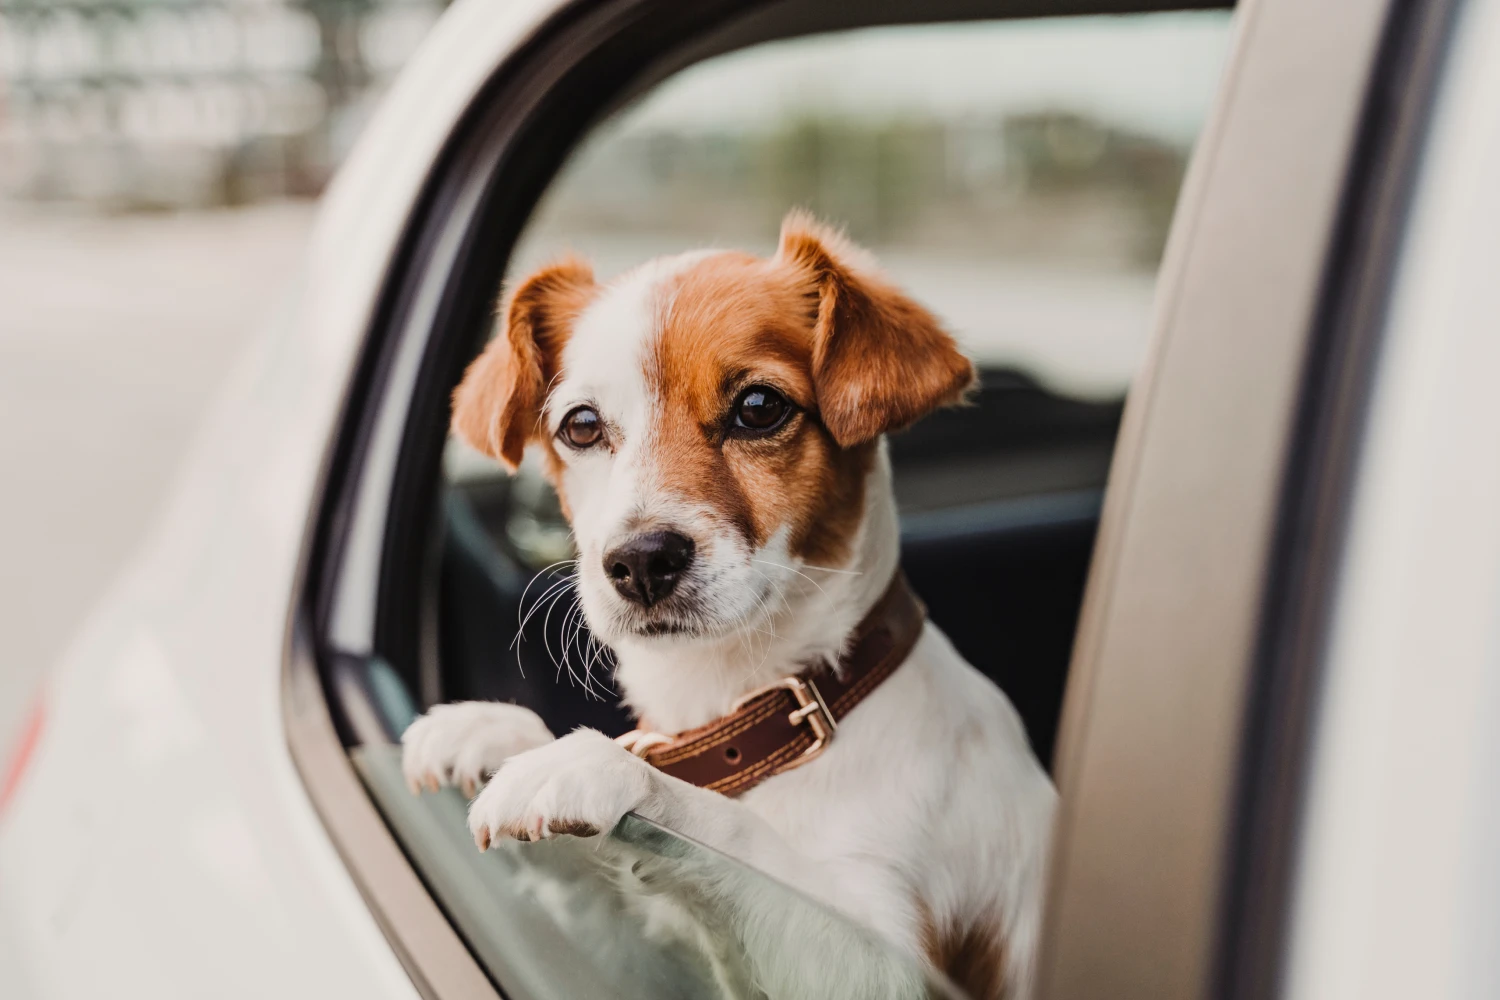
463 743
584 783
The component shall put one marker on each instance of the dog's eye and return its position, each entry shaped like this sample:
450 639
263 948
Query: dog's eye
760 408
582 427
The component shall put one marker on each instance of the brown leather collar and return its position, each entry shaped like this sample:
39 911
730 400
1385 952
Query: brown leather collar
786 724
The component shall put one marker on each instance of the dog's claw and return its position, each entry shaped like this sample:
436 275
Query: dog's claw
469 788
432 783
482 839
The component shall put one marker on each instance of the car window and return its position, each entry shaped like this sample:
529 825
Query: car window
569 919
1019 179
1017 176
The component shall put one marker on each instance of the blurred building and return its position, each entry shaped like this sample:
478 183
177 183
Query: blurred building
139 104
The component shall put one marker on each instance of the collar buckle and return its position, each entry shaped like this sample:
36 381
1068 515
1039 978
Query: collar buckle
811 711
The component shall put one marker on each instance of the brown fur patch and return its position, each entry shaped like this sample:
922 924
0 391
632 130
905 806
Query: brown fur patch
880 360
972 957
497 405
737 321
856 356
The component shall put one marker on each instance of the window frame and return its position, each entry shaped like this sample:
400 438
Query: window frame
1199 653
507 140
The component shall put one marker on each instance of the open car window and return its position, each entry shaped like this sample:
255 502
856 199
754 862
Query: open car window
1018 178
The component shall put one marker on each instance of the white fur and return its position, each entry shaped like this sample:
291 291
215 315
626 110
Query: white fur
928 805
463 744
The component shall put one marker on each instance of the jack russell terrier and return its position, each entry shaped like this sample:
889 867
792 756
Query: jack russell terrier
714 425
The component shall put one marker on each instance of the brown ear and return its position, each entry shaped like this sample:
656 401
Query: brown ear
880 360
497 408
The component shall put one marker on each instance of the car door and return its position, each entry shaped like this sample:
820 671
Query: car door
1197 679
1185 703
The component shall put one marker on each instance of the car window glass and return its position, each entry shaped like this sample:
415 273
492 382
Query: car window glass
568 918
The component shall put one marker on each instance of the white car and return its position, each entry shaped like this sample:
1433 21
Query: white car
1274 668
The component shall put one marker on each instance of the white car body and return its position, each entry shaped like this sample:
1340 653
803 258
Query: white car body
161 835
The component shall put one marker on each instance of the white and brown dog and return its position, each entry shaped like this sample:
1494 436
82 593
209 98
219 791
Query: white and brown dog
713 423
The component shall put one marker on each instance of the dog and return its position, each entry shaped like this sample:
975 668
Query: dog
714 425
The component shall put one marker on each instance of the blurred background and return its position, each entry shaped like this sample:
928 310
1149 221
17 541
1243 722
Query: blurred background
160 161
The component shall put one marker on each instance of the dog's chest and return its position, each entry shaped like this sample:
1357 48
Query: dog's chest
835 806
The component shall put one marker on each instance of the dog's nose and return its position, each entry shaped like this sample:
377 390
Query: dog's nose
646 568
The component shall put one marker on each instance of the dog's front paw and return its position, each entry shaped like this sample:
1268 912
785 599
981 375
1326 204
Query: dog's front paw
463 743
579 785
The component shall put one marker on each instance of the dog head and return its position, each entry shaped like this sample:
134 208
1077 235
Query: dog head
709 420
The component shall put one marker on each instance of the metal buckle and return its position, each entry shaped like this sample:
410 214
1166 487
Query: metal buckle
811 710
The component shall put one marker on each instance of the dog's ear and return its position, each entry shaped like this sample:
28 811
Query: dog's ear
497 408
880 361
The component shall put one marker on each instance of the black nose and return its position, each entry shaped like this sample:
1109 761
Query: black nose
647 567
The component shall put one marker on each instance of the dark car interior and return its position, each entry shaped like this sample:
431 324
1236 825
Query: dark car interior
999 503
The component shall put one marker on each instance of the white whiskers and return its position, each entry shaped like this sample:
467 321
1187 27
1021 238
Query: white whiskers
572 628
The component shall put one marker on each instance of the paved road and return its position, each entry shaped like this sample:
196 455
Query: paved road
114 334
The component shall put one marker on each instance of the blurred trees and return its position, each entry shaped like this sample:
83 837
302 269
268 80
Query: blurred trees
1044 184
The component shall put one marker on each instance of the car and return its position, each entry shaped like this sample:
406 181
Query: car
1247 613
